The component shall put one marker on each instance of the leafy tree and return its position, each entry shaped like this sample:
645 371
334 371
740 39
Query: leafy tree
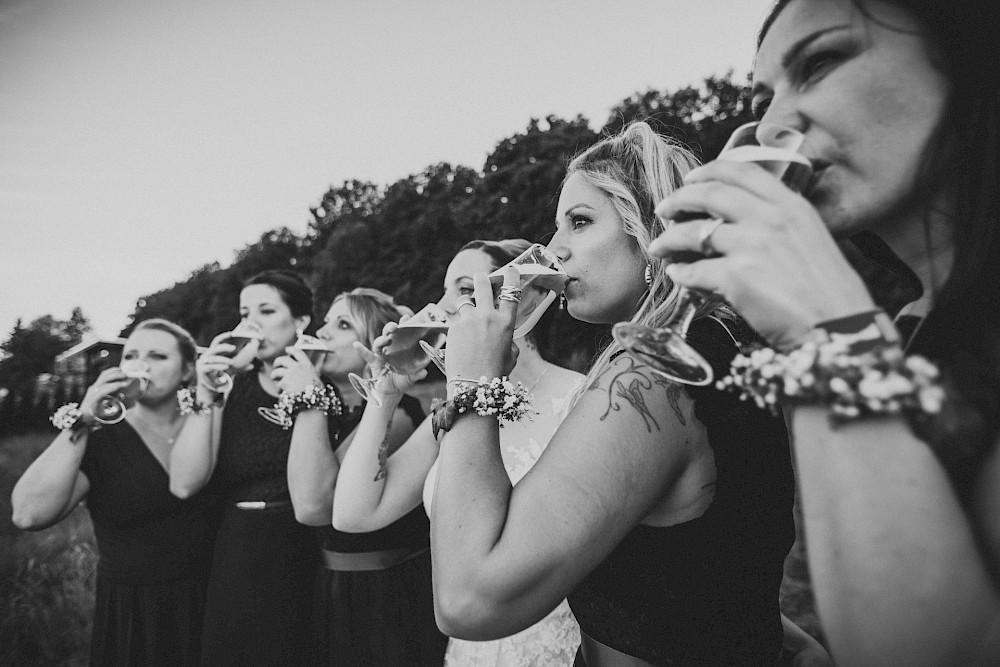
31 350
701 117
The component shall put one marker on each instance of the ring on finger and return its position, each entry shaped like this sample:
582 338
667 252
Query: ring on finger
464 300
705 236
510 293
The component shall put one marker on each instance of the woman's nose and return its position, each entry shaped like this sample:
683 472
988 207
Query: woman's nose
557 247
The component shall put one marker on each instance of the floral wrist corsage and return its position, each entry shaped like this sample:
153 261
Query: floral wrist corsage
879 381
498 398
188 404
313 397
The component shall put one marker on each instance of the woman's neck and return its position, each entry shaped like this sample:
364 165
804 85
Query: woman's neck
924 242
163 413
349 397
530 365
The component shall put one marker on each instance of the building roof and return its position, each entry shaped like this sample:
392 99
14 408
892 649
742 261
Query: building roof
88 344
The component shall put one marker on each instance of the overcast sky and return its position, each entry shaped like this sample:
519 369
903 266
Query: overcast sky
141 140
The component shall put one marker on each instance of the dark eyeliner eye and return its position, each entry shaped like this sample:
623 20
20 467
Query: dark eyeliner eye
578 221
818 64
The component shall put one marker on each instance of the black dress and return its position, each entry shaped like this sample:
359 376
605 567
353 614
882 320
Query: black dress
155 552
375 605
264 572
705 592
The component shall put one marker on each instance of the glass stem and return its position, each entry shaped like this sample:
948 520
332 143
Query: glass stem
680 320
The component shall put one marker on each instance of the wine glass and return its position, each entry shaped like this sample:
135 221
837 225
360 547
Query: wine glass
246 332
665 349
415 343
315 350
542 280
111 409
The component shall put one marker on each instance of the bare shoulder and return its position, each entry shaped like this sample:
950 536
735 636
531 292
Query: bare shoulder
629 388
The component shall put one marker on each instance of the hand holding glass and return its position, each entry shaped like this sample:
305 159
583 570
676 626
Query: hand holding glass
665 350
245 338
415 343
315 350
111 409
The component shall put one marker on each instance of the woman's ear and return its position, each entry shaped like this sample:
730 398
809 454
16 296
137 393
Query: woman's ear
302 323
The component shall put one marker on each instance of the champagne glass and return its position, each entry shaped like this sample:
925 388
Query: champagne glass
111 409
315 350
542 280
415 343
245 333
665 349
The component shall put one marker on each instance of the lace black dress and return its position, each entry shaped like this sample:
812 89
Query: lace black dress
155 553
375 605
264 572
705 592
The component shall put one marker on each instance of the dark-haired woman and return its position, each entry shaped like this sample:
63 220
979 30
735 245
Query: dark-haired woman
265 563
899 107
155 549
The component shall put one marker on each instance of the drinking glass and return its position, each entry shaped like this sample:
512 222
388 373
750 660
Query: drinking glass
415 343
246 332
542 280
111 409
315 350
665 349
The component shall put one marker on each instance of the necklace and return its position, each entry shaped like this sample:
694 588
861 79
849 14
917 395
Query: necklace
540 376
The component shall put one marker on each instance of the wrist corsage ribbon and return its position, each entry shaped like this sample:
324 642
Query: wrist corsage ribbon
70 417
313 397
499 398
853 384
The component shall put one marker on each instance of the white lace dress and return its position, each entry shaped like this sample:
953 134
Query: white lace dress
554 639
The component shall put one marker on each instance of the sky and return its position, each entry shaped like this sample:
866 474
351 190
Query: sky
143 139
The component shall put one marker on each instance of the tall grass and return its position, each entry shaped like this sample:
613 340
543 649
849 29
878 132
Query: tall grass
46 578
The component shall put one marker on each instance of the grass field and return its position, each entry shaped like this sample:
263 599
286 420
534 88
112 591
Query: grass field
47 577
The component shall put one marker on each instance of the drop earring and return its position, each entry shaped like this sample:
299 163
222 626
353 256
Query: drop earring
562 302
648 275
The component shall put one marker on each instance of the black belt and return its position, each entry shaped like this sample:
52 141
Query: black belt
596 654
369 560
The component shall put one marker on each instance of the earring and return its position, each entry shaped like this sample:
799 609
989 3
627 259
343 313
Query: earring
562 302
648 275
299 332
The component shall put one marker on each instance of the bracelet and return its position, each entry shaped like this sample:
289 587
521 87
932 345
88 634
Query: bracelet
187 404
498 398
313 397
880 381
68 417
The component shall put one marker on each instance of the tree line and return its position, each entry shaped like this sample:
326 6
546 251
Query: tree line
397 238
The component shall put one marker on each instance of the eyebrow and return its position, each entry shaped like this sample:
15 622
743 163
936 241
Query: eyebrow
573 208
795 49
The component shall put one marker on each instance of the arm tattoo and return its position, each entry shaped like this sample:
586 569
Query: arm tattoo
623 390
383 452
673 396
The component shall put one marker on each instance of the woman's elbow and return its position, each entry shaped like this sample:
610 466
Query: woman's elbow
24 518
311 513
463 613
185 488
350 521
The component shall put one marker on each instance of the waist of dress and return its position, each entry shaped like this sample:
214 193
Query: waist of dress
370 560
596 654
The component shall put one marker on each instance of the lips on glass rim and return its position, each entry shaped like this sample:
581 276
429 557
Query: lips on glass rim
246 329
431 316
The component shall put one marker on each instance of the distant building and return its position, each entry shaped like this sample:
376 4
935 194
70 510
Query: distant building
78 367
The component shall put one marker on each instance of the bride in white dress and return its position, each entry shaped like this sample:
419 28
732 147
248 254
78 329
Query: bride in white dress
376 487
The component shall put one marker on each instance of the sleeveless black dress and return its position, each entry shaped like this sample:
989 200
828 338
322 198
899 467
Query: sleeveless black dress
705 592
380 617
264 571
155 553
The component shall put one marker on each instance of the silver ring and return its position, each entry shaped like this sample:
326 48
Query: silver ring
464 300
705 236
510 293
